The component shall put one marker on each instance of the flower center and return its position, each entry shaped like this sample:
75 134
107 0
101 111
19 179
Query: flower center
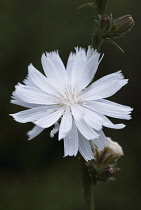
69 97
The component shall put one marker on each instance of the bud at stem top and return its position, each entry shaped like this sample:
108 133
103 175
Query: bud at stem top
122 24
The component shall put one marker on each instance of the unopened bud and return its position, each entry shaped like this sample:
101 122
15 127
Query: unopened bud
122 24
109 155
103 167
105 22
114 148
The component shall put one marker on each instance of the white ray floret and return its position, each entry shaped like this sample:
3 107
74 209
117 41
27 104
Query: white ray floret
63 98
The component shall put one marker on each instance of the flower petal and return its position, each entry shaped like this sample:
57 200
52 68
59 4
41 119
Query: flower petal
86 130
41 81
70 64
34 132
71 142
33 95
112 109
54 69
108 78
93 119
107 123
90 67
66 124
85 148
101 141
82 67
30 115
73 73
103 88
49 119
77 111
16 100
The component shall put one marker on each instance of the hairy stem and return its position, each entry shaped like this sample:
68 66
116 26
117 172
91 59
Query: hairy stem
97 39
88 186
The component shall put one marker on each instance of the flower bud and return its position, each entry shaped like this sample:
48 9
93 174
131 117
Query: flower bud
122 24
103 167
114 148
109 155
105 22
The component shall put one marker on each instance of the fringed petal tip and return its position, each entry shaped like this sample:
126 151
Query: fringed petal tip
34 132
70 155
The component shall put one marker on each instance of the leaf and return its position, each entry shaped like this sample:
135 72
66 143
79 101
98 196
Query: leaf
116 45
86 5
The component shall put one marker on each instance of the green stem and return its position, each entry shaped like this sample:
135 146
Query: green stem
88 186
96 42
97 39
102 6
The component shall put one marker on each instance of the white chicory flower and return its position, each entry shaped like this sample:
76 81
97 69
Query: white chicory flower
63 96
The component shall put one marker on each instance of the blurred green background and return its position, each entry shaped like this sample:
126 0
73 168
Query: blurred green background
34 175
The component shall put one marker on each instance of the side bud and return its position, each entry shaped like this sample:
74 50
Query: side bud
105 22
122 25
103 168
114 148
110 154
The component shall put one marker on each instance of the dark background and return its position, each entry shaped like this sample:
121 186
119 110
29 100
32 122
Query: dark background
34 174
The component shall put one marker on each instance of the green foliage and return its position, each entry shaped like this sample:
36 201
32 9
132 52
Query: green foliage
87 5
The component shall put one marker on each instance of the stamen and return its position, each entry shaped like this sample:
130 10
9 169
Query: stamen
69 96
